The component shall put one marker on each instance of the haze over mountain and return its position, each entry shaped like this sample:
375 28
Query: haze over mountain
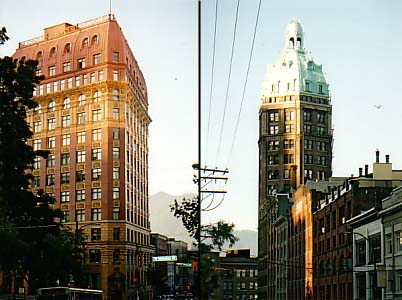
164 222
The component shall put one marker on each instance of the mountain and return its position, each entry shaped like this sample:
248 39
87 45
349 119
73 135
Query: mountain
164 222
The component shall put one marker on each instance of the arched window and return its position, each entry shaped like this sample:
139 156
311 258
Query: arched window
95 40
299 43
53 52
81 99
116 95
22 59
39 56
52 106
291 43
85 43
66 103
97 96
67 48
38 109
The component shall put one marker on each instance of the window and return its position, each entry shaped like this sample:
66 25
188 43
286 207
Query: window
308 159
398 241
39 56
361 285
80 215
97 96
321 130
85 79
36 164
66 216
289 128
66 103
93 77
116 256
94 255
55 86
81 118
273 129
36 181
116 193
308 144
51 142
286 174
96 59
38 109
96 134
52 70
96 174
321 146
307 87
96 193
85 43
50 162
67 48
81 100
96 115
116 234
37 126
66 66
96 214
81 156
375 251
80 195
96 234
62 84
65 196
65 178
307 115
70 82
116 213
273 174
288 144
81 63
65 121
78 80
36 144
321 160
274 116
50 179
115 113
116 153
307 128
360 252
320 90
116 173
115 95
100 75
273 159
96 154
51 124
81 137
289 115
288 158
273 145
52 106
115 74
320 117
308 174
65 159
388 243
80 177
95 40
116 134
115 57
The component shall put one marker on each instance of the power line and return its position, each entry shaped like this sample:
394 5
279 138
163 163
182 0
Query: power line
245 82
212 78
228 82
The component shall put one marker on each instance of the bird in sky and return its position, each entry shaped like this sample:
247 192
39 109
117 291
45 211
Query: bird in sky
378 106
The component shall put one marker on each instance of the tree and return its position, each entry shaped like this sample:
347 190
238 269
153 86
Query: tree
213 237
37 248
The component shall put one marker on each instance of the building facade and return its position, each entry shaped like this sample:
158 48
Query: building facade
93 118
295 140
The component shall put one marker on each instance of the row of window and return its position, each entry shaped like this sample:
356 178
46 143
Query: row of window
320 160
81 138
228 285
273 116
96 193
291 86
290 128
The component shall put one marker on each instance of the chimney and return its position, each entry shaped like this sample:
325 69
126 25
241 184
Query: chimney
360 172
387 158
366 170
377 156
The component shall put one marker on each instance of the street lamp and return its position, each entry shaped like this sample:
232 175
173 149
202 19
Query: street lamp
370 247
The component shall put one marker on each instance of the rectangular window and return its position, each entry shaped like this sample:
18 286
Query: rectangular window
100 75
398 241
375 251
321 130
116 213
96 193
273 174
65 159
81 156
37 126
96 234
36 144
116 133
36 164
96 59
51 142
307 116
77 81
308 144
273 129
307 86
65 178
360 252
81 118
85 79
96 115
289 115
308 159
50 162
320 117
80 176
115 74
116 153
80 215
62 84
286 174
55 86
288 144
48 88
307 128
274 116
115 57
96 134
321 146
320 90
81 137
116 173
93 77
96 174
96 154
50 179
288 158
80 195
51 124
36 181
66 139
289 128
81 63
116 234
95 255
115 113
308 174
388 243
116 193
66 216
273 145
66 66
65 121
69 83
96 214
273 159
321 160
65 196
52 70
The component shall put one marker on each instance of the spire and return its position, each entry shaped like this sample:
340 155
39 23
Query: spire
294 35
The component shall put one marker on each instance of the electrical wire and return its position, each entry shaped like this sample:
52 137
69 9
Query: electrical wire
228 82
212 78
245 83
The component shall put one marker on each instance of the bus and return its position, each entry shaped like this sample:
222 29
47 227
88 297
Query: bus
66 293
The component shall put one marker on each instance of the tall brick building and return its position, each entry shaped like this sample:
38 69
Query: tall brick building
93 118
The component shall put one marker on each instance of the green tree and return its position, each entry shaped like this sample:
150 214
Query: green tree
37 248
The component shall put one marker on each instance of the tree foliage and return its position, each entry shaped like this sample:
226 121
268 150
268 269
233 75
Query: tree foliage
33 244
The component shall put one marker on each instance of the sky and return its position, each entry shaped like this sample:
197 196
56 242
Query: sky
357 42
